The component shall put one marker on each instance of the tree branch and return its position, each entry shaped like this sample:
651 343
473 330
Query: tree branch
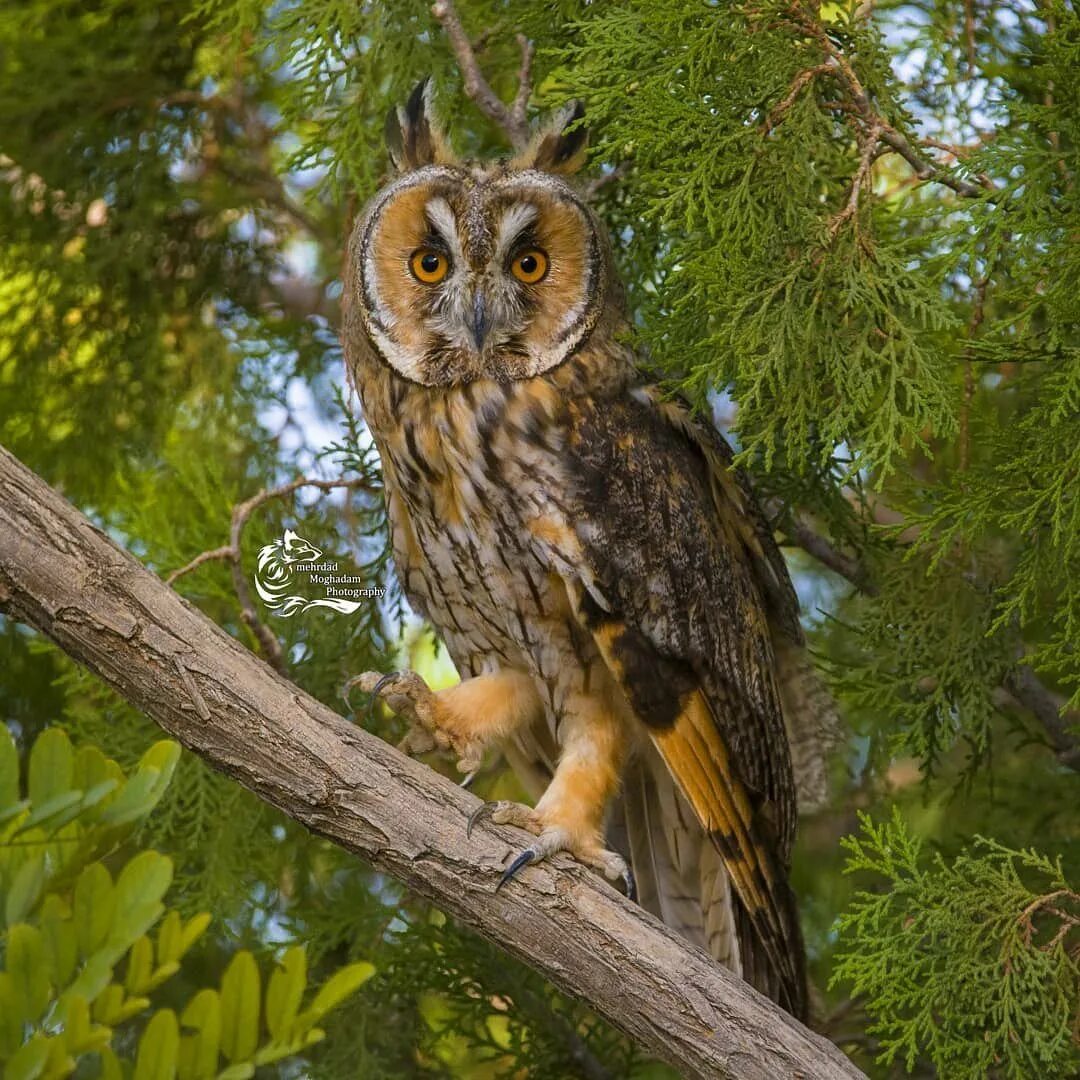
1029 691
511 119
1022 684
63 576
803 535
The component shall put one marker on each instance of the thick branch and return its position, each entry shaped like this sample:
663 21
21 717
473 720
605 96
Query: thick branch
63 576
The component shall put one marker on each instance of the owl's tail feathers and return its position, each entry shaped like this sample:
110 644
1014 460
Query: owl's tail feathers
680 874
813 724
681 878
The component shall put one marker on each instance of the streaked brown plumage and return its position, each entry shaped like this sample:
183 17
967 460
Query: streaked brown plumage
611 595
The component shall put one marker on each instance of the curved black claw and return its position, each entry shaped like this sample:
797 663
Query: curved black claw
374 699
484 810
526 857
631 885
347 689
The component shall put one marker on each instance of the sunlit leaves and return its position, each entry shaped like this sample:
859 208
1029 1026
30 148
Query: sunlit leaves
87 944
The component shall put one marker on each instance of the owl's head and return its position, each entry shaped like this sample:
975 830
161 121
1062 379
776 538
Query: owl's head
466 270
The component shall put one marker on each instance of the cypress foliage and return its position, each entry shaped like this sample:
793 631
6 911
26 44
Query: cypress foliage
848 229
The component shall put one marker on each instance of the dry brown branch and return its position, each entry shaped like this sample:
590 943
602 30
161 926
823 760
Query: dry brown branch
199 560
268 643
511 119
519 110
63 576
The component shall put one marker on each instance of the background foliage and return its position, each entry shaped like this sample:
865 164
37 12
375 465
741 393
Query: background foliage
848 229
69 926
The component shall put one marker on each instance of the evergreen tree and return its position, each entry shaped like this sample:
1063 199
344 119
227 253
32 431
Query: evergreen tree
849 230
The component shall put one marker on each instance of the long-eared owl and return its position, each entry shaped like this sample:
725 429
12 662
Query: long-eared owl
623 623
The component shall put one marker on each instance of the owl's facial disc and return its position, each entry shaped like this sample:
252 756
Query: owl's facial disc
470 274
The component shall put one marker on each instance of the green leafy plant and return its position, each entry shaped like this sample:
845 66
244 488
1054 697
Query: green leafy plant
973 961
88 939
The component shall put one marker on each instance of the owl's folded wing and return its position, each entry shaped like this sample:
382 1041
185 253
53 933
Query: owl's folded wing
670 588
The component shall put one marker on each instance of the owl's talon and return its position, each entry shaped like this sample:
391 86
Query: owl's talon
550 839
431 725
526 857
403 691
482 811
347 688
386 679
376 691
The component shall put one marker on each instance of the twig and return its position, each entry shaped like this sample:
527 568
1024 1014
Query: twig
803 535
268 642
600 182
862 175
777 113
519 109
925 168
511 119
199 560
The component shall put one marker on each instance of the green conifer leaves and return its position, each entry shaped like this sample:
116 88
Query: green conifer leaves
86 943
973 961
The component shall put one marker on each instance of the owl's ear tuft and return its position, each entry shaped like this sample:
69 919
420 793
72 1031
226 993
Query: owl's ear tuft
561 145
414 137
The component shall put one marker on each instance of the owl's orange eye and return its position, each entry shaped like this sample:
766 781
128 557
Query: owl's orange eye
530 266
429 266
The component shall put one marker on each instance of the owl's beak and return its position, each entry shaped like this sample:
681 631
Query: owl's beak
480 323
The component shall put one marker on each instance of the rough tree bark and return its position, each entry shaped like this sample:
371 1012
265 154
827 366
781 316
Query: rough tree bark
60 574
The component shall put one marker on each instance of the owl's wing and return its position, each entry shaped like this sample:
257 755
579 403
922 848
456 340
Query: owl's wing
677 587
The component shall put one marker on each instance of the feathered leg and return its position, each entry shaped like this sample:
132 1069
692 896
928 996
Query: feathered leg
463 719
570 814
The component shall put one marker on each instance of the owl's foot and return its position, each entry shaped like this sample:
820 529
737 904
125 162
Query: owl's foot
433 726
551 838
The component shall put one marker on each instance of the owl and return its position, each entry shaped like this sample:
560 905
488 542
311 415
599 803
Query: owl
622 620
